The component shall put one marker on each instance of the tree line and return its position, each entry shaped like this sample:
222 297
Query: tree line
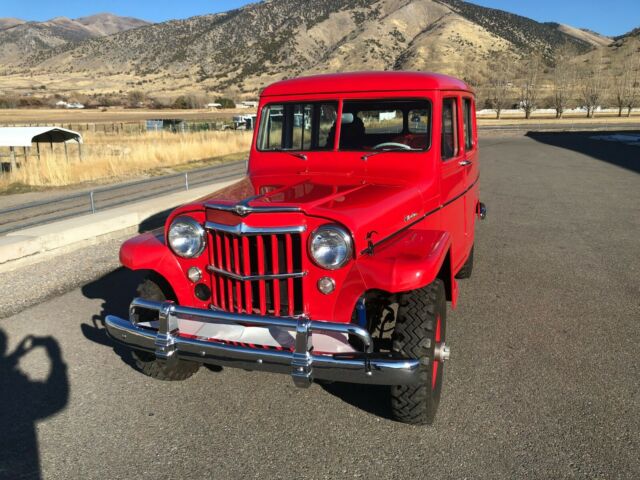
561 83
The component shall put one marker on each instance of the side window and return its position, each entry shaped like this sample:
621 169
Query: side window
449 147
467 119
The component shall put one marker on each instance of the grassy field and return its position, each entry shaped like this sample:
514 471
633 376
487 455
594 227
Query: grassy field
107 158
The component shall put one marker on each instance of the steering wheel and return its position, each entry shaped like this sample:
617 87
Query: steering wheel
392 144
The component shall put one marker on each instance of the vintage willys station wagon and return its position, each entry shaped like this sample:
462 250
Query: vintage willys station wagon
333 259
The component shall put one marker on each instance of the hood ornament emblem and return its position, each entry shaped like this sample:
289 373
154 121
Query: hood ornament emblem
241 209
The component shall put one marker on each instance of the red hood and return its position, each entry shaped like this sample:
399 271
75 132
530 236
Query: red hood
362 206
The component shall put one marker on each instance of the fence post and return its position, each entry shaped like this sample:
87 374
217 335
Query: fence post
93 204
186 181
12 158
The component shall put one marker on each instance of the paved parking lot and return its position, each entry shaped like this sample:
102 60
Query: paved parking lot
543 382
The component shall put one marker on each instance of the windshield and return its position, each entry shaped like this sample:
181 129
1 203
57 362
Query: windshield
386 125
366 125
298 126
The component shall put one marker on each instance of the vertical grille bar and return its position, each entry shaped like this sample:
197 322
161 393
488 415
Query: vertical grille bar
261 283
246 255
214 282
276 283
221 281
291 302
227 251
236 264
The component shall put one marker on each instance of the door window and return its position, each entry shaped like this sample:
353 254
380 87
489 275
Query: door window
449 147
467 121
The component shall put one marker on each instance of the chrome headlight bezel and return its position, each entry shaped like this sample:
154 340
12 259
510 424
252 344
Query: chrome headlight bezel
199 233
337 232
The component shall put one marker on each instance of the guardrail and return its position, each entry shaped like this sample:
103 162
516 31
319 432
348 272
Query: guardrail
562 127
60 208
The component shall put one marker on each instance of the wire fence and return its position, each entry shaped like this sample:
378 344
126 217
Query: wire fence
88 202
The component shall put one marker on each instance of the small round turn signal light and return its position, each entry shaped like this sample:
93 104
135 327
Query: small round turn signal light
194 274
326 285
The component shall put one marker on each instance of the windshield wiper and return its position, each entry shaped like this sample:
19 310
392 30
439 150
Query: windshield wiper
386 150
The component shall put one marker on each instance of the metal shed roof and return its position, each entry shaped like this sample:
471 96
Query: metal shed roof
25 136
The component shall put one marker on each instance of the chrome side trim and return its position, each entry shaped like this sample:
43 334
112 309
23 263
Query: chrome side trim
303 365
272 276
244 229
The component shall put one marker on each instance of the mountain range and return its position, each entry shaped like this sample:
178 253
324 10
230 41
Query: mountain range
242 50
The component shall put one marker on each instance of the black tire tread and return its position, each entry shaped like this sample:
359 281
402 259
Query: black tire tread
154 288
415 324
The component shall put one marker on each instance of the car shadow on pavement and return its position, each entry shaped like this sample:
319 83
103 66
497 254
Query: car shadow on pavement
615 151
24 401
154 222
115 289
373 399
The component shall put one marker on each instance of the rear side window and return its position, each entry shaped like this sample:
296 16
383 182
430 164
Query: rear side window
449 147
467 120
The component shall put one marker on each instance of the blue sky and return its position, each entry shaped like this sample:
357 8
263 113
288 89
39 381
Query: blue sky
613 17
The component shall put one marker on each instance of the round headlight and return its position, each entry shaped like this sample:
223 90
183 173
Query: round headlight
330 246
187 238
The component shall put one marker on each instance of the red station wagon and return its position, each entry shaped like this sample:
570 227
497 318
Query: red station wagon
333 259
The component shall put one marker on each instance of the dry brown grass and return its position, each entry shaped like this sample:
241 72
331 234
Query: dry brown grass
124 156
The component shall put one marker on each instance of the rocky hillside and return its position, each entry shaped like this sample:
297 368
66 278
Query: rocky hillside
242 50
27 43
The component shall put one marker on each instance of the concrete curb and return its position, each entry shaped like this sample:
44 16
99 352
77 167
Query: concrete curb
34 244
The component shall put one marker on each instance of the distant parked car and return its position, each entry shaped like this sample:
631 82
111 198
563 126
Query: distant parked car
334 259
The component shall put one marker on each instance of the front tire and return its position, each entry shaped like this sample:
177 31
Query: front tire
420 334
154 288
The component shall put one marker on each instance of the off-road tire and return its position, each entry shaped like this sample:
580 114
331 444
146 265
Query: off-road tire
154 288
414 336
467 268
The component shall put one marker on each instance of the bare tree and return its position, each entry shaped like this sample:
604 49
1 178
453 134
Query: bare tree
499 82
634 91
594 83
564 77
529 87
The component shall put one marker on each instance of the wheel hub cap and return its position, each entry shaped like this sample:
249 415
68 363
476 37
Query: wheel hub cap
441 352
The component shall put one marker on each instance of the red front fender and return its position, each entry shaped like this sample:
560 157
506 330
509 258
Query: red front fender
412 260
149 252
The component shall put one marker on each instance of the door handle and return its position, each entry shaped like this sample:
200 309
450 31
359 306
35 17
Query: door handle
465 163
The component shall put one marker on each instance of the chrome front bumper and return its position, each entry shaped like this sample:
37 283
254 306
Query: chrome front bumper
302 364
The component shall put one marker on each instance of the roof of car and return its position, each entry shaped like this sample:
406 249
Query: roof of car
365 82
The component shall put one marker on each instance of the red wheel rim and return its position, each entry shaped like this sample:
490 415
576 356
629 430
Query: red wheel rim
436 363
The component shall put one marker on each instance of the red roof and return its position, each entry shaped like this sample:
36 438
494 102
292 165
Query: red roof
365 82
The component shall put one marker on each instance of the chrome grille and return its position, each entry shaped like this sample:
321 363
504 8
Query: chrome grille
256 270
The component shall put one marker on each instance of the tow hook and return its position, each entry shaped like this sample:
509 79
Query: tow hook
441 352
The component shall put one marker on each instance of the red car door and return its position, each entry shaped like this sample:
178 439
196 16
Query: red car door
470 163
454 176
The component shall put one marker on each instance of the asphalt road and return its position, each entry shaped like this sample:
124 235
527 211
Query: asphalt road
17 217
543 381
